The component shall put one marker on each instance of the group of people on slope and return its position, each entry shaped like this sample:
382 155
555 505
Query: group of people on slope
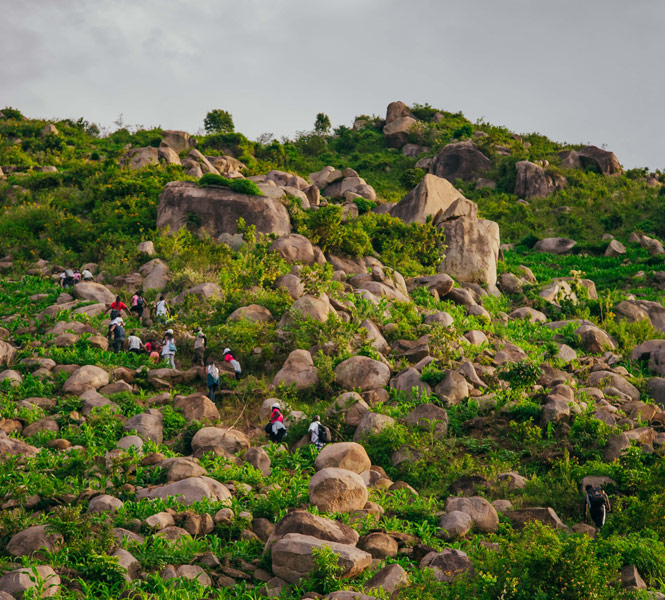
70 277
213 371
318 434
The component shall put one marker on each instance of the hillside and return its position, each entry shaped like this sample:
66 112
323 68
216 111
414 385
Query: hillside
476 315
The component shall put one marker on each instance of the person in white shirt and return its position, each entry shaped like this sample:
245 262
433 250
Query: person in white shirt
200 344
86 275
134 343
161 310
169 348
315 433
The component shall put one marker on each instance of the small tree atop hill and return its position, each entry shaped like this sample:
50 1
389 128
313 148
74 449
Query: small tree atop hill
322 124
218 121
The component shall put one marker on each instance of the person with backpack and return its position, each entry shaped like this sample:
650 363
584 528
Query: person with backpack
275 428
77 275
134 343
68 280
596 504
169 348
228 357
86 275
117 307
200 344
117 334
213 380
319 434
162 310
138 304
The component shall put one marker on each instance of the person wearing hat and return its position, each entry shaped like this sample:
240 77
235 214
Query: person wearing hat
228 357
200 344
169 348
275 427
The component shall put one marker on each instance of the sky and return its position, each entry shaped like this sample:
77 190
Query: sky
578 71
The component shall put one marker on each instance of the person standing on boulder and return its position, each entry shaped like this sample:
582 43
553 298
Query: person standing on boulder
213 380
169 348
319 435
596 504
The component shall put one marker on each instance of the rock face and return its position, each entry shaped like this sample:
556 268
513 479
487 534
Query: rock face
295 247
343 455
187 491
461 160
298 370
483 514
399 120
603 161
179 141
305 523
292 557
32 540
16 583
219 209
363 373
531 180
432 195
473 250
7 353
85 378
337 490
89 290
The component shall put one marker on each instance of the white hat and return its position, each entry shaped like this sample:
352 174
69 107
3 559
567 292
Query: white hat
226 350
275 405
169 331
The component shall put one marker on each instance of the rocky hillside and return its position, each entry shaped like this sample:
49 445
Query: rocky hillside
476 315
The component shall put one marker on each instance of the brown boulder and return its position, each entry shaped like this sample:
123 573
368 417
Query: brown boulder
460 160
337 490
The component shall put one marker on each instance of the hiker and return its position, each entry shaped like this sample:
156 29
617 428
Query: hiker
117 307
134 343
275 427
138 304
169 348
213 380
152 350
86 275
117 334
596 504
228 357
67 278
319 434
200 344
77 275
161 310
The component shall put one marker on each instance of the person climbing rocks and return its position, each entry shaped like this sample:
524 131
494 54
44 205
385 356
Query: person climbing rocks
67 279
319 434
86 275
152 350
275 428
138 304
200 345
213 380
161 310
117 334
228 357
116 308
596 504
169 348
77 275
134 343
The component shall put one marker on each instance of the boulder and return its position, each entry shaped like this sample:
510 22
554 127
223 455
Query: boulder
219 209
594 339
96 292
455 524
231 440
390 579
32 540
447 564
326 176
428 417
337 490
397 131
259 459
292 557
16 583
297 248
460 160
530 314
519 518
374 336
371 424
105 503
554 410
298 370
531 181
380 545
85 378
7 353
602 161
409 381
631 579
305 523
197 407
138 158
292 284
309 307
202 291
187 491
343 455
555 245
432 195
254 313
453 388
148 425
127 561
397 110
602 379
156 274
473 250
179 141
483 514
362 373
615 248
351 406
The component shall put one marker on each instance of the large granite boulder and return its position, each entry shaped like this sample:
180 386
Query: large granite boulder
460 160
337 490
600 160
531 180
218 209
432 195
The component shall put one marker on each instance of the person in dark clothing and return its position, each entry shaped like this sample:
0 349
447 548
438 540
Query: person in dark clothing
213 380
597 505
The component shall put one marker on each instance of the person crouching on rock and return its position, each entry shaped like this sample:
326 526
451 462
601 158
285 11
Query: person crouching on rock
228 357
275 428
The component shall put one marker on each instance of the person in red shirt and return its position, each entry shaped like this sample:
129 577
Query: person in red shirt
275 428
117 307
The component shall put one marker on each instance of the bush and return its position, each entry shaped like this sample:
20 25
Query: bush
242 186
218 121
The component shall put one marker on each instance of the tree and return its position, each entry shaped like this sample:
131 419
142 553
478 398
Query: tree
218 121
322 124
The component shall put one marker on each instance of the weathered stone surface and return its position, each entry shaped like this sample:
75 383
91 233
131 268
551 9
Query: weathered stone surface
7 353
448 564
309 307
32 540
460 160
473 250
428 417
298 370
196 407
531 181
351 406
483 514
231 440
615 248
453 388
105 503
363 373
432 195
390 579
372 423
594 339
555 245
292 557
397 131
17 582
602 379
519 518
297 248
379 545
603 161
148 425
202 291
89 290
259 459
188 491
85 378
337 490
179 141
219 209
305 523
409 381
343 455
455 524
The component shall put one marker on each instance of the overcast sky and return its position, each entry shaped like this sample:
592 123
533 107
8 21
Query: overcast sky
575 70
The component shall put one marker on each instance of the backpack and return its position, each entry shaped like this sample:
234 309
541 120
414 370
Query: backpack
115 313
139 301
596 497
324 434
119 332
172 347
